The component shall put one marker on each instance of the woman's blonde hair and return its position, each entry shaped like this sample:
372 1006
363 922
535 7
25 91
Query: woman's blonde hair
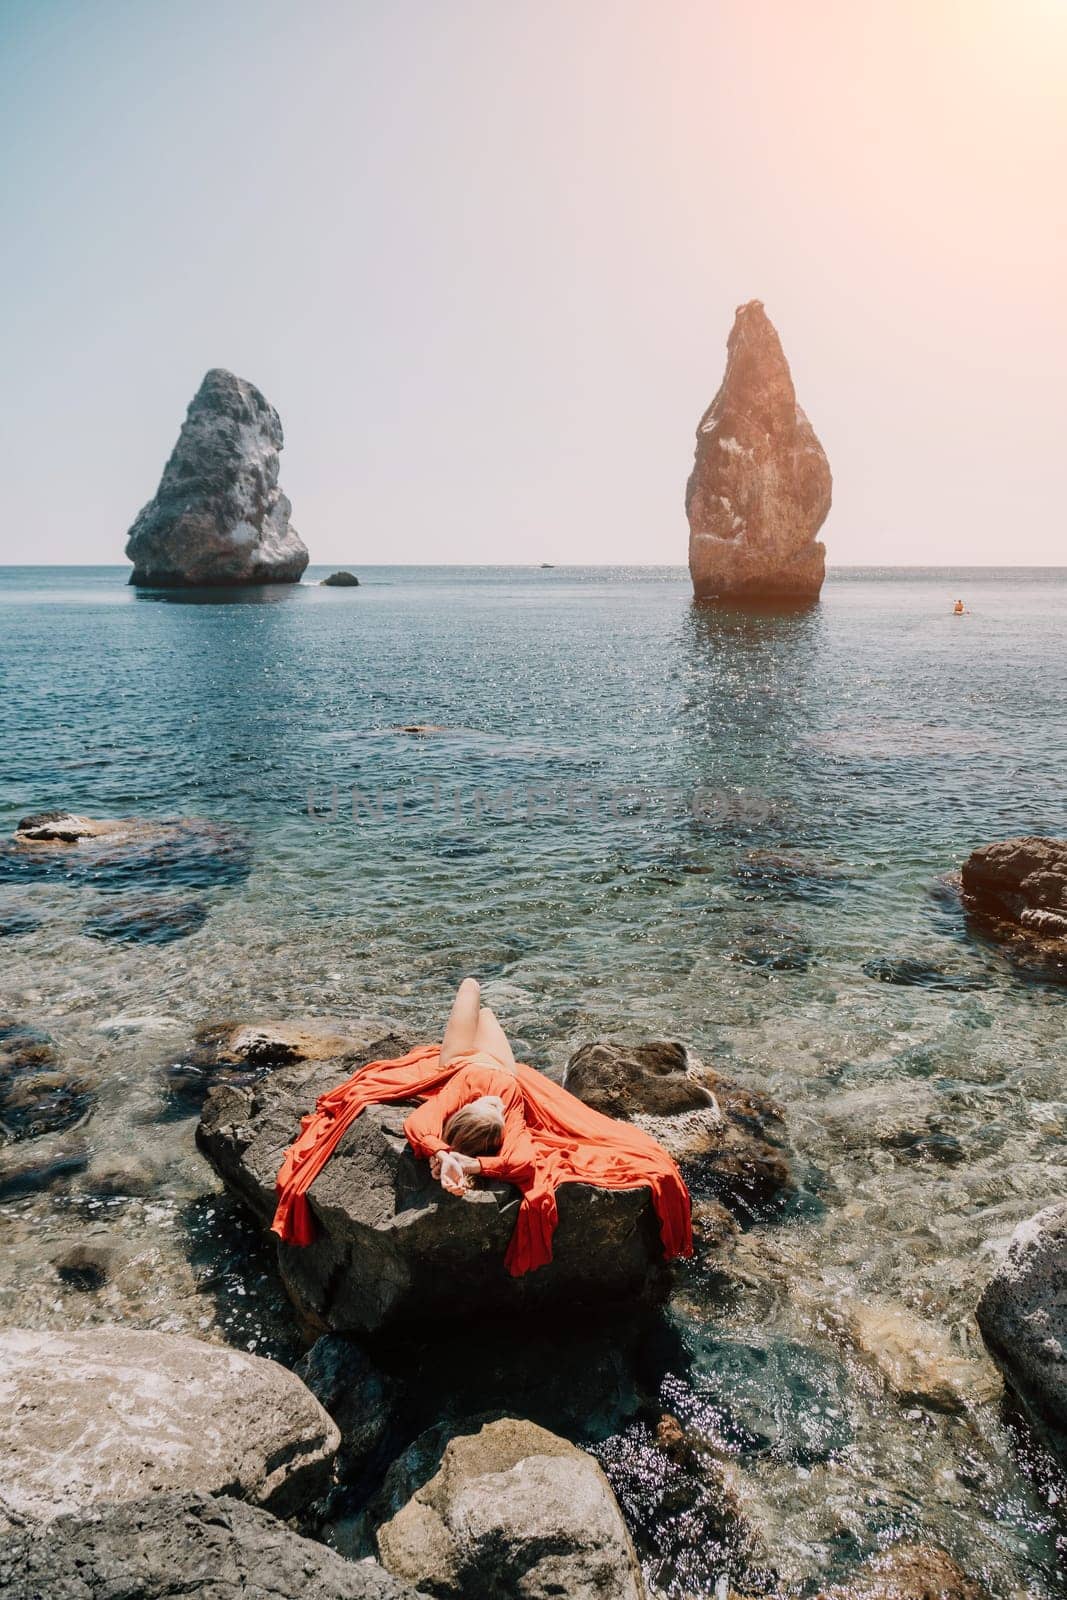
476 1129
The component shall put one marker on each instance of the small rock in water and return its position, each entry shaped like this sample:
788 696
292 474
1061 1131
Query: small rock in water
219 516
916 1358
37 1094
770 875
89 1266
146 919
908 1572
14 922
27 1171
1015 892
924 1144
341 580
113 853
727 1139
773 949
129 1175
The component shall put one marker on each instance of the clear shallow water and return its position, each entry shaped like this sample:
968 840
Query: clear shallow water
876 739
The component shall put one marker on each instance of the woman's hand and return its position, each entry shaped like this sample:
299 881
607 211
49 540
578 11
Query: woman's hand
453 1173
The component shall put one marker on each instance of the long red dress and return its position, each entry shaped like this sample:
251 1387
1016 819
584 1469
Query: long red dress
550 1137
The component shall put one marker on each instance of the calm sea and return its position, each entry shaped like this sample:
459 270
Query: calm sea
632 815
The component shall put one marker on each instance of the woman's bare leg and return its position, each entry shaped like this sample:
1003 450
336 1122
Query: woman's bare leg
491 1037
462 1023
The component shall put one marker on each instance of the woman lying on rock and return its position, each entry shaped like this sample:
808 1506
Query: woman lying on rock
484 1115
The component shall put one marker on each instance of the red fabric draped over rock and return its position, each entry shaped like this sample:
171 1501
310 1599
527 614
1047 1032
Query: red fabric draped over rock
572 1144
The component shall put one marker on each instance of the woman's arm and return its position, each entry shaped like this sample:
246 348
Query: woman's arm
516 1160
425 1126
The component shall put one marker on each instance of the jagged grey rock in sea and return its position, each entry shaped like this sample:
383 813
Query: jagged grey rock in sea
1023 1317
219 516
115 1413
171 1546
508 1510
1016 892
760 486
395 1251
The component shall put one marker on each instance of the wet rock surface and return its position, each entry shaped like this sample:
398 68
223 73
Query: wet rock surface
114 1413
1022 1315
760 486
908 1572
729 1141
175 1545
510 1509
1015 892
219 515
393 1249
146 919
360 1398
38 1095
126 852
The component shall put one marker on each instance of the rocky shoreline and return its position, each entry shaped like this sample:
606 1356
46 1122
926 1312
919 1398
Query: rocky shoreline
439 1436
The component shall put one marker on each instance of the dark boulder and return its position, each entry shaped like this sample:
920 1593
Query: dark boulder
341 580
728 1140
219 515
361 1399
172 1546
1023 1318
393 1250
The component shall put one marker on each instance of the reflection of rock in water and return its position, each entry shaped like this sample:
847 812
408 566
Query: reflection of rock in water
147 919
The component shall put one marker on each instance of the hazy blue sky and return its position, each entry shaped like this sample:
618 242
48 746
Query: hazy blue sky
483 256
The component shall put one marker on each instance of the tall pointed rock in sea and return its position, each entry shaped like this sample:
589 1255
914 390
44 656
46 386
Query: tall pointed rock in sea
219 515
760 486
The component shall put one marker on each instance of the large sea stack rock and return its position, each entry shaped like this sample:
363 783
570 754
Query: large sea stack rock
394 1251
1023 1318
760 486
218 516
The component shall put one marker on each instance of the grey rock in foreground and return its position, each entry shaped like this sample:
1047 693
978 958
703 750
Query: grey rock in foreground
760 486
1016 892
511 1510
219 516
175 1545
1023 1317
394 1250
112 1413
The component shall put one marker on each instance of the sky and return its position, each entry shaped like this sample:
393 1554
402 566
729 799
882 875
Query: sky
484 255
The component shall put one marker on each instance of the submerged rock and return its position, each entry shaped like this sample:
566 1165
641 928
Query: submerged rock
510 1510
341 580
171 1546
916 1359
760 486
14 922
394 1250
146 919
1015 891
1023 1318
728 1140
219 516
37 1094
113 1413
908 1572
116 852
916 973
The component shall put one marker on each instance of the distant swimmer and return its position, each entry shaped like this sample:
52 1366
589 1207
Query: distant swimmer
959 609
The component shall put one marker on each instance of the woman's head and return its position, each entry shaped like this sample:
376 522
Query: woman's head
476 1129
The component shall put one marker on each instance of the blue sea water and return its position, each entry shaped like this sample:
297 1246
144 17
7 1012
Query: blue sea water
627 814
